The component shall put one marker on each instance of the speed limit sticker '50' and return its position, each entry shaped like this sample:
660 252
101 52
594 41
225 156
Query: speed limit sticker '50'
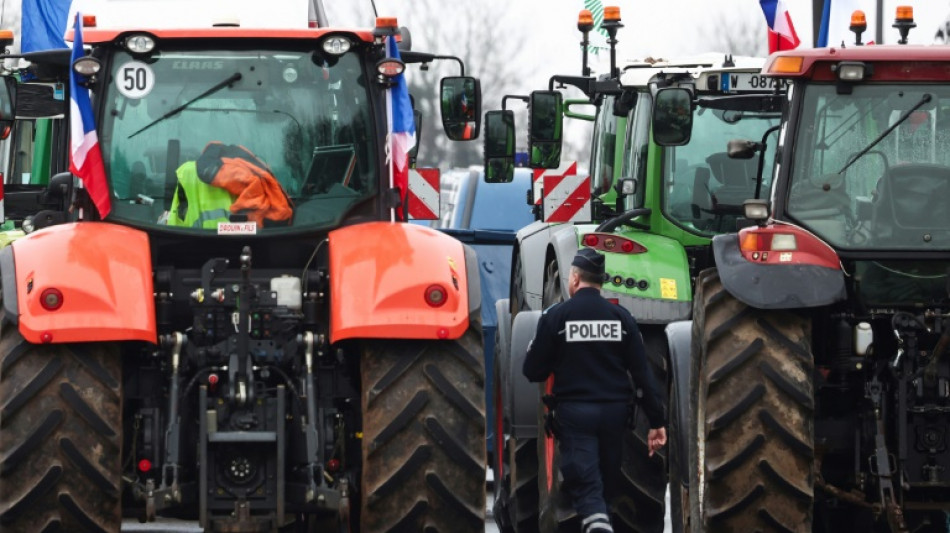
134 80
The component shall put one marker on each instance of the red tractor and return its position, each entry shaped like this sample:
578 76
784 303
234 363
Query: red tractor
811 392
285 353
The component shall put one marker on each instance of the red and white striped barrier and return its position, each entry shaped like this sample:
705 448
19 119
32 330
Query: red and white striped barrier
567 198
537 179
424 193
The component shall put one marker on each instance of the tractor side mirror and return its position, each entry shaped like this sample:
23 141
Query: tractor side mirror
499 146
7 111
461 98
672 116
545 122
414 151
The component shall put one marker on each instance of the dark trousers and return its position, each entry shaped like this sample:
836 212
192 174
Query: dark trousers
590 440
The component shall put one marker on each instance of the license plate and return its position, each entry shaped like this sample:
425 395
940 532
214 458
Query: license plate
740 82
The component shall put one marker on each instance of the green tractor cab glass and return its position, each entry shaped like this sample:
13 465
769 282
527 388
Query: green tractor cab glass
672 117
544 131
499 146
461 98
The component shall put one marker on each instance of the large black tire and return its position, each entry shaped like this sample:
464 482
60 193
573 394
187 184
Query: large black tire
753 415
517 300
60 436
520 489
522 482
424 435
640 505
679 477
556 511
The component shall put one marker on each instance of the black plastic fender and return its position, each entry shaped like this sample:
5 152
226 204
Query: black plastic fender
501 358
474 283
679 340
791 286
11 311
524 394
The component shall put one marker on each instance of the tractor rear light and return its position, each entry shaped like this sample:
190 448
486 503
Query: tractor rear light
336 45
89 21
435 295
630 283
617 280
145 465
784 242
46 337
139 44
609 242
787 65
51 299
390 67
753 241
615 301
333 466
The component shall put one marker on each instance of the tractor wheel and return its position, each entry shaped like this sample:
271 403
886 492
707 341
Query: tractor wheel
521 458
423 407
640 504
501 471
517 301
752 428
60 435
556 512
679 497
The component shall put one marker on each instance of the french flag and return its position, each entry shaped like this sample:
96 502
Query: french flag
402 128
85 159
782 34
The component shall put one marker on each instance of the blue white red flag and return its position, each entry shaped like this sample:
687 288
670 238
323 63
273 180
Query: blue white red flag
836 21
43 24
402 127
782 34
85 159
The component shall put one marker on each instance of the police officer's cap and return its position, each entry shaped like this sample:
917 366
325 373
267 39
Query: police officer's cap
589 260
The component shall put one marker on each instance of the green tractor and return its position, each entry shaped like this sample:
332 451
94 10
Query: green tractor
654 207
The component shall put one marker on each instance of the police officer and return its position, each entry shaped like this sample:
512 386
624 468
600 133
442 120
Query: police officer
590 345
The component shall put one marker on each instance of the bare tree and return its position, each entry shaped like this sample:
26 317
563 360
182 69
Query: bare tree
483 37
731 34
10 20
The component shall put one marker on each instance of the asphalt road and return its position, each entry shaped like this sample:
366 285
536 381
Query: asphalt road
179 526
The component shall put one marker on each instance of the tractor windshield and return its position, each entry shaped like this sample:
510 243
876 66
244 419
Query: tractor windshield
871 169
194 140
703 187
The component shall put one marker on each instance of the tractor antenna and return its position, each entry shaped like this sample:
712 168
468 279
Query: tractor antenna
375 13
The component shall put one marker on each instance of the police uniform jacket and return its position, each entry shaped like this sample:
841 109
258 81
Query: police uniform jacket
590 344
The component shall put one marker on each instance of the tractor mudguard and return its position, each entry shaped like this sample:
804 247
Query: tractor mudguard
533 240
564 244
104 275
679 340
380 273
775 286
523 395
